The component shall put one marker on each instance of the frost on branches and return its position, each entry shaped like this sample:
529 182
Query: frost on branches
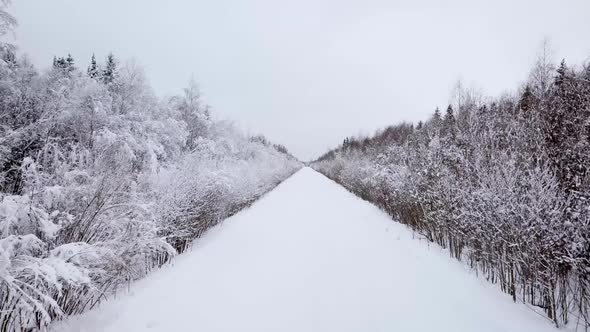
100 182
504 185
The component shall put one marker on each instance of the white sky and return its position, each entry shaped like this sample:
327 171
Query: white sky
307 73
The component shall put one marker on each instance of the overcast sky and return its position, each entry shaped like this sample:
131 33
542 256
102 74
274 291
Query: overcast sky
307 73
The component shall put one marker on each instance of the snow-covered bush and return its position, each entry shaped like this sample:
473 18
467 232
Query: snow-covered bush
100 182
218 178
503 185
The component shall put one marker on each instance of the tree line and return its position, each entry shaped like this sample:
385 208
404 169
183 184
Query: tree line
503 183
101 182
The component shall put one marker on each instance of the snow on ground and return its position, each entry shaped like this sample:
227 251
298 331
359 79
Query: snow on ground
311 257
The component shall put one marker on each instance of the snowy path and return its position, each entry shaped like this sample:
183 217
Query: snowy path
311 257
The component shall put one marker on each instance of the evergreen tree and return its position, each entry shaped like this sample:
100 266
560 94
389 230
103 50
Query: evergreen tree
437 118
449 116
561 73
345 143
59 64
93 70
449 123
110 71
565 121
64 65
70 62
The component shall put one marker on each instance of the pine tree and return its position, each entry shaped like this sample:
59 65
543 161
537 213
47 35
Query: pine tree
110 71
561 73
70 62
60 64
449 116
449 123
64 65
436 117
93 70
564 122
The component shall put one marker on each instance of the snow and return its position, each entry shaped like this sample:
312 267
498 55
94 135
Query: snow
310 256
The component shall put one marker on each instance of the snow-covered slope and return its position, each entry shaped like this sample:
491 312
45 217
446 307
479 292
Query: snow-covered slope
311 257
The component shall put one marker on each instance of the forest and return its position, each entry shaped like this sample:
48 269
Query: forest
502 183
101 181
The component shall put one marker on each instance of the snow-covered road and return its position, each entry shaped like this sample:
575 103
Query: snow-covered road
311 257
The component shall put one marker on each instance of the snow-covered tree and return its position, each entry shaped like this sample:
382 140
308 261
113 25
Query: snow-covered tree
93 70
100 182
503 185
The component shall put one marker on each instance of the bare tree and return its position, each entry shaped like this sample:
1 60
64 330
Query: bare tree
541 75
